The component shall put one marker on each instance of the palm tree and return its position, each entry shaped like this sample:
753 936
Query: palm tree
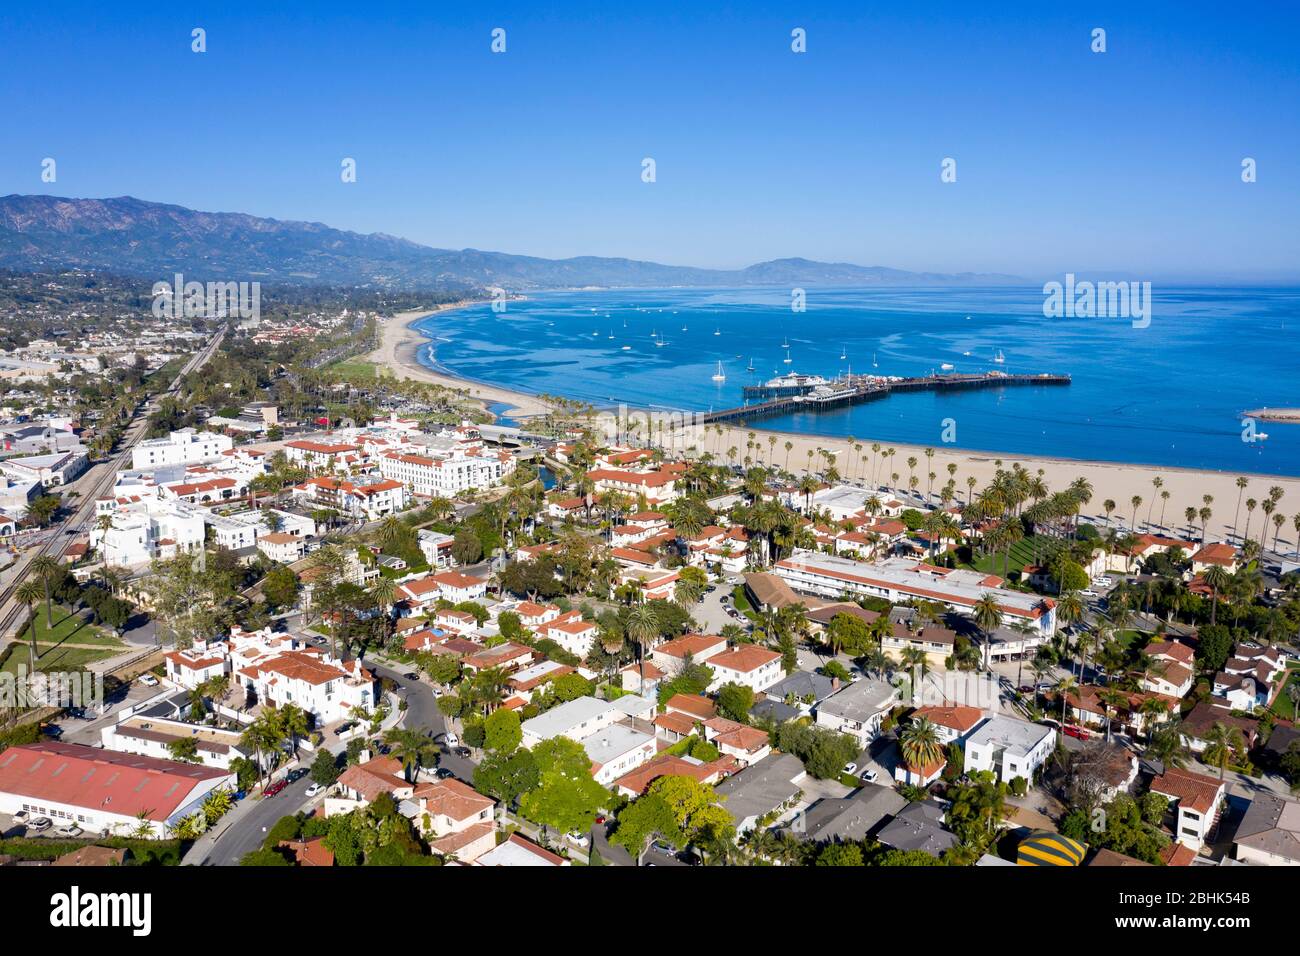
1222 744
1242 482
30 593
643 627
44 569
920 744
1063 688
1217 578
1136 502
1156 483
915 661
294 724
987 614
1111 700
411 748
1166 746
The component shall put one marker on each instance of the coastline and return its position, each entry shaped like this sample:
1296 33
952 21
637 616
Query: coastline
399 351
1119 481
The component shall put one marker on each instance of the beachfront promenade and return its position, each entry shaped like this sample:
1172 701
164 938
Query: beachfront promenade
856 389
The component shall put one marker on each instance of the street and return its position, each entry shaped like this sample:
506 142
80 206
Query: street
244 828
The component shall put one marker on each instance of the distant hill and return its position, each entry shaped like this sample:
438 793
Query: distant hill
153 240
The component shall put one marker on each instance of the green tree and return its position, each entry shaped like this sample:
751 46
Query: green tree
413 748
507 776
735 701
324 768
566 797
502 731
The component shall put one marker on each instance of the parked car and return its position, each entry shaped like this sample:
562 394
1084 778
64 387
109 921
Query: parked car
460 751
70 830
52 730
296 774
412 675
344 728
40 824
850 768
1079 733
1088 592
148 680
868 776
442 773
450 739
578 839
1026 688
22 816
275 788
314 789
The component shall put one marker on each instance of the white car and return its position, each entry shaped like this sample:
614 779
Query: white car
868 776
71 830
578 839
1088 592
850 768
148 680
314 789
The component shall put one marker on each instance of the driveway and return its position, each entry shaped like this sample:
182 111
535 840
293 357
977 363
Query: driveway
710 613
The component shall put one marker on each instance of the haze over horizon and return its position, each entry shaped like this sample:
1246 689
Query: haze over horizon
1125 162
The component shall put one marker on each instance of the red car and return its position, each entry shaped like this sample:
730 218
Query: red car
1072 731
275 788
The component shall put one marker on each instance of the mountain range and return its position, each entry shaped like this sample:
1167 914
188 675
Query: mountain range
132 236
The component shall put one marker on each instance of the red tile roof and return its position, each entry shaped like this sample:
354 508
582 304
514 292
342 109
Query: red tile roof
102 780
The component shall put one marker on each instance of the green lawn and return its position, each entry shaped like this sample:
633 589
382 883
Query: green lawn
51 643
355 368
1022 553
1282 705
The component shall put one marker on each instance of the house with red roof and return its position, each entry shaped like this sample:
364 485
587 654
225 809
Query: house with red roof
103 791
1196 800
750 665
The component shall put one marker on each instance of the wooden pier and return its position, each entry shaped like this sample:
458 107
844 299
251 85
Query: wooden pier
866 388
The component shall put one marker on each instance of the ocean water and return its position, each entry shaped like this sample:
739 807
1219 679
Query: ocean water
1172 393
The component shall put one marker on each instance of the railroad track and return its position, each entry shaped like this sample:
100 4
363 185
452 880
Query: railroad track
56 545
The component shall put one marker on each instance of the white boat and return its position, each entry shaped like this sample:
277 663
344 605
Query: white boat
787 360
843 353
683 328
1261 436
751 365
611 333
717 331
947 366
627 348
785 342
874 363
718 376
660 343
999 359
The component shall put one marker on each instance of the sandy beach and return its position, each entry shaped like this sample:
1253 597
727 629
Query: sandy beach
399 347
1117 481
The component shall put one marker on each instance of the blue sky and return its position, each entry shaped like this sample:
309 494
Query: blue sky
1123 162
